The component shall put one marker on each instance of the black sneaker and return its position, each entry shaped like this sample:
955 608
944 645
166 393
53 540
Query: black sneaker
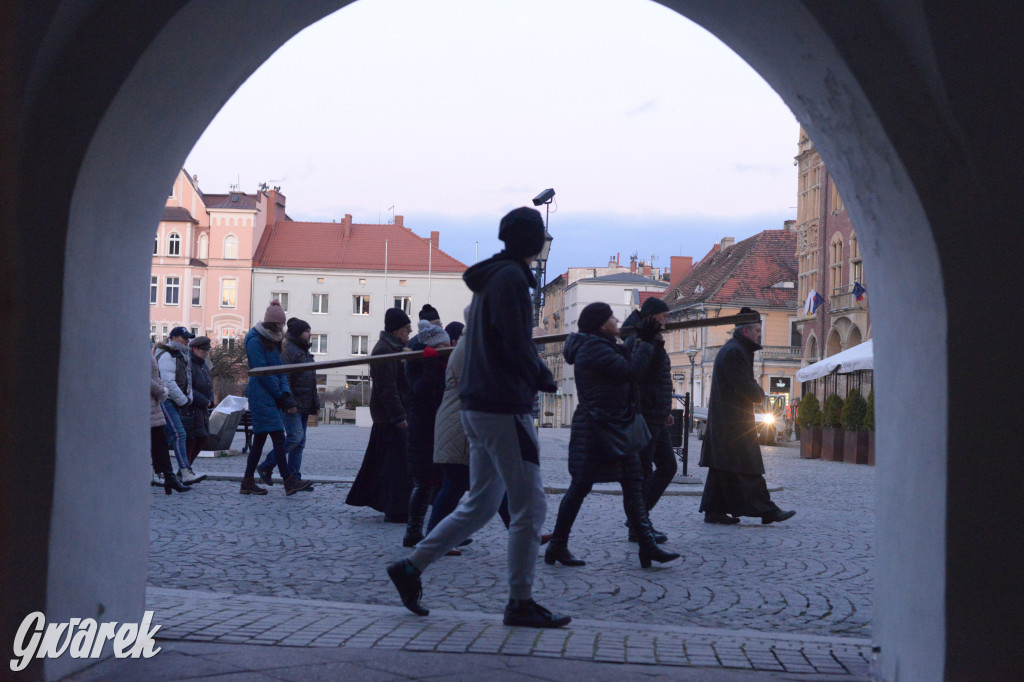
718 517
406 578
264 475
527 613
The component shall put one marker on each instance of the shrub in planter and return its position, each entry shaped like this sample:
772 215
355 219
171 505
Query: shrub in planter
855 443
809 421
832 429
869 426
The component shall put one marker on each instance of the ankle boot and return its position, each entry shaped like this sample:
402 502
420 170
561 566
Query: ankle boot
413 531
249 487
294 484
171 482
558 550
419 500
636 512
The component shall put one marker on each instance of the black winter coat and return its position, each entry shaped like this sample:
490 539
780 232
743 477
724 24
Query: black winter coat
389 397
655 385
730 442
426 389
196 418
303 384
606 375
503 369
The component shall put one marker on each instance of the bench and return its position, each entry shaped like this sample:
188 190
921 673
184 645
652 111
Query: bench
245 426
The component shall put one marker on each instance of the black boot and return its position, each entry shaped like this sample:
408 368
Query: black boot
659 537
419 499
558 550
636 512
171 482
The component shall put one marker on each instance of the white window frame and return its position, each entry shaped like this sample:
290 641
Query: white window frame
359 345
174 244
154 289
407 304
222 290
156 245
204 246
358 307
197 287
281 297
318 344
320 304
168 287
232 240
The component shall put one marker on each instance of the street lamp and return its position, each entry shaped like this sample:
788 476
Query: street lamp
539 264
691 352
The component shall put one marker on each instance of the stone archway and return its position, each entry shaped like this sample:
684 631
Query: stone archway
834 344
853 337
96 115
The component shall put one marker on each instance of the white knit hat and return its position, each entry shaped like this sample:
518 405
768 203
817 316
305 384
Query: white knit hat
431 334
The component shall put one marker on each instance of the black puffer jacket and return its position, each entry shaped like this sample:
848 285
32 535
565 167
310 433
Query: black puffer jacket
503 369
196 419
606 374
426 389
303 384
389 397
655 385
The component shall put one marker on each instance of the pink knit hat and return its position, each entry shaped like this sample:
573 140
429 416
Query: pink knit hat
275 313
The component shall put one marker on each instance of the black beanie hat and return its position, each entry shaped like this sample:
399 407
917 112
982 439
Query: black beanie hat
429 313
522 230
297 326
653 306
454 330
395 318
593 316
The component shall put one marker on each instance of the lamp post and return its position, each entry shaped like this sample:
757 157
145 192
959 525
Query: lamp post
539 264
691 352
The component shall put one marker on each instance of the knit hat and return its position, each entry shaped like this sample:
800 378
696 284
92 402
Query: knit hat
522 230
454 330
395 318
297 326
593 316
744 310
200 342
429 312
275 313
653 306
431 334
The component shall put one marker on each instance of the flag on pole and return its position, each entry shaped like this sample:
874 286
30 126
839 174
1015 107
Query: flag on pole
859 290
809 301
816 302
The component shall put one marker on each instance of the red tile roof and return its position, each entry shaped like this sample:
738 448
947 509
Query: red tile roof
644 295
322 246
220 201
743 274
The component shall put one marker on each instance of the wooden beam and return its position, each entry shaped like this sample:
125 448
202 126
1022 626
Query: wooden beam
746 318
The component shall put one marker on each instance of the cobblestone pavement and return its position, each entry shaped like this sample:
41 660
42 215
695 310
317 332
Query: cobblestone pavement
809 576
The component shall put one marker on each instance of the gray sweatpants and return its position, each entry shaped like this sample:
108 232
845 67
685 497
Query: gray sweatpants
503 455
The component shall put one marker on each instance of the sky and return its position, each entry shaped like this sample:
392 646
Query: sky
656 137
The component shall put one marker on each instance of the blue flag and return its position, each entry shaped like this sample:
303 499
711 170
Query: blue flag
859 290
816 302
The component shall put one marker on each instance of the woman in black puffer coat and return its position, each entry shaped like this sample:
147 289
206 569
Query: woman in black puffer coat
606 437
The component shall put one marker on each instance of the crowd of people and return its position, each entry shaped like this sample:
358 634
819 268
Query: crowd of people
462 421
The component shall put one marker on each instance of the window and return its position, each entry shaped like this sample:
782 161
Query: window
360 305
171 287
795 337
282 297
320 304
360 345
156 245
318 344
204 247
197 291
404 303
174 245
231 246
195 331
227 343
165 331
152 334
154 286
228 293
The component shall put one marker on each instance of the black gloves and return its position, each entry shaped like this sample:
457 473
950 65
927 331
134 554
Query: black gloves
286 402
648 329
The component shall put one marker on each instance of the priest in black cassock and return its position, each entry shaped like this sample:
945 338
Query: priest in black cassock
735 484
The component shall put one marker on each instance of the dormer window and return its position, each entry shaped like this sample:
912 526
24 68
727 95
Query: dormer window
785 284
699 289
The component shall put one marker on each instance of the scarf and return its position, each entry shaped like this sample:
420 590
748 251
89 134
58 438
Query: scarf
272 337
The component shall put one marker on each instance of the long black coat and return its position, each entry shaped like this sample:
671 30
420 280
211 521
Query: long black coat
389 397
197 419
426 386
655 385
606 374
730 442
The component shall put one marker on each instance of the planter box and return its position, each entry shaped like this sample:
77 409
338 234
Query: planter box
855 447
810 442
832 444
871 448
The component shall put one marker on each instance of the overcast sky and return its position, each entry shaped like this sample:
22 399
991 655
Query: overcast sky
656 137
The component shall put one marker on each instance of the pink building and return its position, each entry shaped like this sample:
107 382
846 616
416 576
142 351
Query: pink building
202 259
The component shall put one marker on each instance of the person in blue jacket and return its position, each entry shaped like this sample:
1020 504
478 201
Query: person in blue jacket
269 396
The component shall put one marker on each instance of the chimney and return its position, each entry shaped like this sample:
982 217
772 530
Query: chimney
612 262
645 269
435 238
275 206
789 226
399 221
727 242
346 226
632 264
681 266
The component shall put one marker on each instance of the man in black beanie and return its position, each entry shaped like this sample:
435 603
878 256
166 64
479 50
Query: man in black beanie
657 459
502 374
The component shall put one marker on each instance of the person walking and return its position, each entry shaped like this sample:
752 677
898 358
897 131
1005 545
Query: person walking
428 313
426 388
270 398
176 373
197 418
297 342
383 480
158 452
655 389
607 432
502 374
735 483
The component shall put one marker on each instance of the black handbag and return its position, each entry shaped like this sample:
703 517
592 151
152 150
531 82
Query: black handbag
615 439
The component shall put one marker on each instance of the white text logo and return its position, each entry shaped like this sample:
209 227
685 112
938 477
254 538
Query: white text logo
81 638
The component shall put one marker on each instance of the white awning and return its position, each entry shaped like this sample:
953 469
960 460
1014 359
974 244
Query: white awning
859 357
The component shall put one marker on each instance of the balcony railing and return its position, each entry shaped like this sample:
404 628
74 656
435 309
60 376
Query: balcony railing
767 354
843 299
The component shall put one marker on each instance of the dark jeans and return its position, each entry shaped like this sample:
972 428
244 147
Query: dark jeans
258 440
454 484
632 499
295 443
659 465
158 450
